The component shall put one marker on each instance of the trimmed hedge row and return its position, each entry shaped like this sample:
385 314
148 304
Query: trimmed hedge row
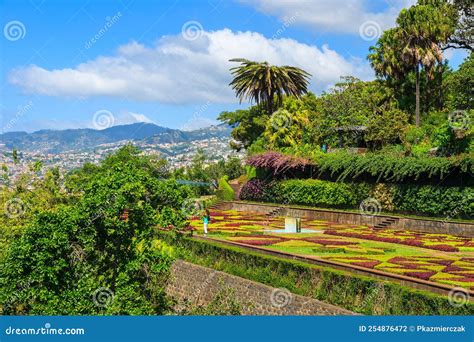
450 202
353 292
416 199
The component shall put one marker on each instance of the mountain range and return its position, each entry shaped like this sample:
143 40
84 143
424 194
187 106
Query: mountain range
55 141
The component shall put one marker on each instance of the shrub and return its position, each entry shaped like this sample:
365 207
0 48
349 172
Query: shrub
435 200
253 190
310 192
225 191
318 192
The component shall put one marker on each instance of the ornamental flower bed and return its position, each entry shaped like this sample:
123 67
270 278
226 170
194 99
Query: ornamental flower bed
439 242
440 258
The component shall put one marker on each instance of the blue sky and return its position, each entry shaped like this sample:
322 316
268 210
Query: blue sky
75 63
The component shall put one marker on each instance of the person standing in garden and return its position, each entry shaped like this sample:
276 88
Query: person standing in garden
206 219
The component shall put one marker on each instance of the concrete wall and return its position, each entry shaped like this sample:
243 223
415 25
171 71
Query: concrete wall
200 285
429 226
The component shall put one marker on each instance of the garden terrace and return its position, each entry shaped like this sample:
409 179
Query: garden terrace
438 258
349 290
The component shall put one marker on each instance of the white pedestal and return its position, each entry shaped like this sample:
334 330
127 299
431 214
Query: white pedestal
292 225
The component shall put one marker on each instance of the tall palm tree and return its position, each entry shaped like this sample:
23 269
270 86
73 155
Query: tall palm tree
385 56
420 41
415 43
265 83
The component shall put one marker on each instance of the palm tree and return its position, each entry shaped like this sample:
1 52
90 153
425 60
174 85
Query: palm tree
415 43
420 45
385 57
262 82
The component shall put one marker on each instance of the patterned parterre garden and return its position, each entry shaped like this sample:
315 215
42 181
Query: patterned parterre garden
439 258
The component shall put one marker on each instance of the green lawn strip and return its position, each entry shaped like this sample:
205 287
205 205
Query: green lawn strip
428 218
353 292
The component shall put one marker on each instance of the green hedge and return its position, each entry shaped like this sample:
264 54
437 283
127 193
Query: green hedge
452 202
225 191
440 201
318 193
353 292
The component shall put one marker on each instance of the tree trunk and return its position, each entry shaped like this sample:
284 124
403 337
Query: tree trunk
270 104
440 87
417 95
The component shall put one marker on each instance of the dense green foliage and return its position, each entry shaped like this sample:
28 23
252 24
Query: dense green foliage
418 105
95 245
433 200
317 193
392 168
427 200
353 292
460 86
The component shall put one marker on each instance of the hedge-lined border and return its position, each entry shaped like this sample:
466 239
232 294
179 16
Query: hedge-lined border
401 198
353 292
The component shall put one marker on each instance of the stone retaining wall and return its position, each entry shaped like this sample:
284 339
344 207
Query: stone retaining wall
429 226
200 285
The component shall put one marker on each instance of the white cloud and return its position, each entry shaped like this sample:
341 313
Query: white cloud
121 118
178 71
197 123
340 16
136 117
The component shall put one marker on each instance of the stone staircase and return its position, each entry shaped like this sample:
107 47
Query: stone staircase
216 206
386 223
275 212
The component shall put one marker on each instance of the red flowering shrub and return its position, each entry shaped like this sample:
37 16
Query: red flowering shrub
432 260
453 268
367 264
278 162
444 248
253 190
421 275
413 242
